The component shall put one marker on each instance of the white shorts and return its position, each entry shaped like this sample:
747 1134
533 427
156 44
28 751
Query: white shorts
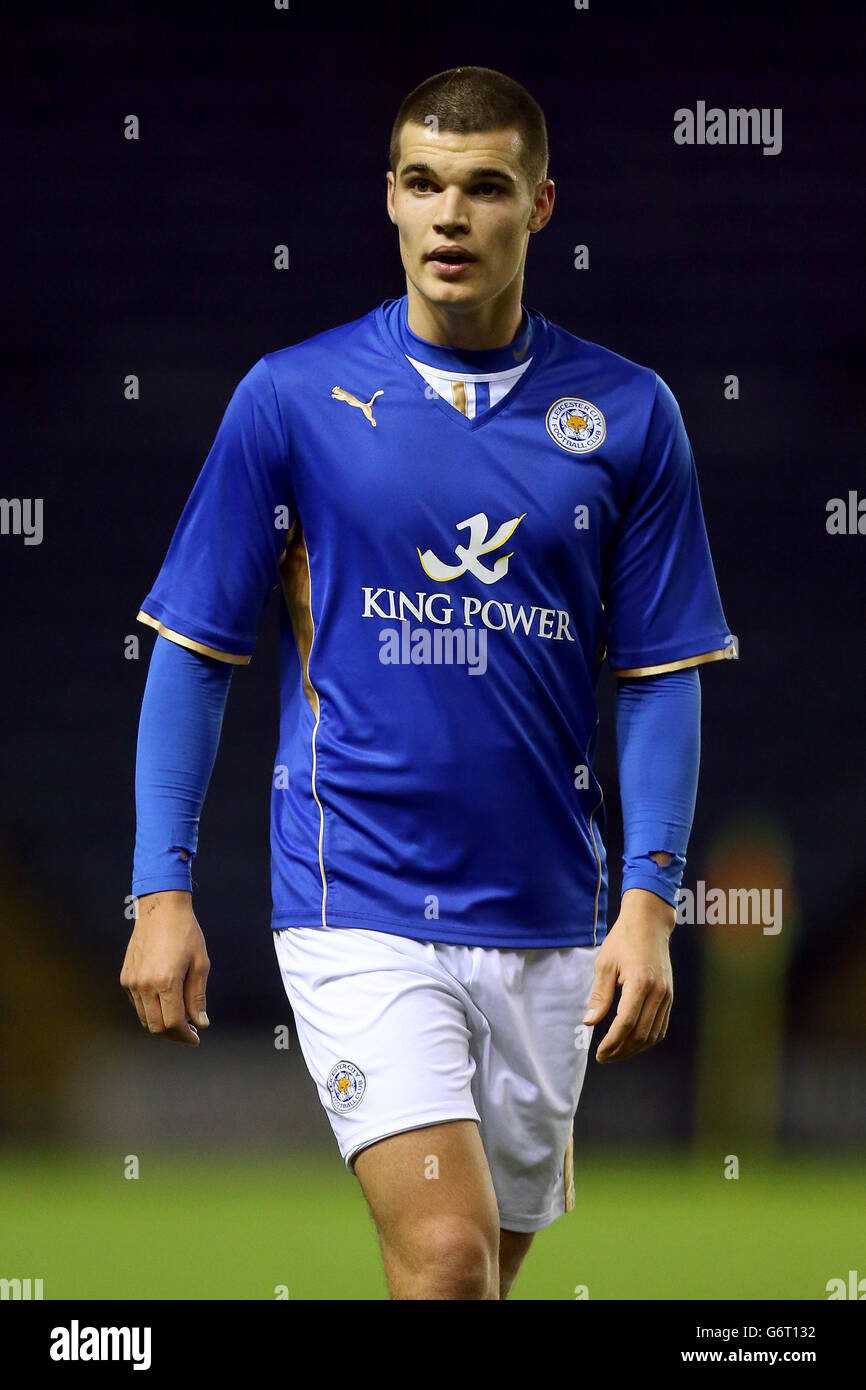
399 1033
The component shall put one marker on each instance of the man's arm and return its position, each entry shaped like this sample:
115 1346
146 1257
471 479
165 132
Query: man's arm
166 965
221 566
658 747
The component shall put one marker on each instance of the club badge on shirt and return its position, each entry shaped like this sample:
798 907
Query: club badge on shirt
575 424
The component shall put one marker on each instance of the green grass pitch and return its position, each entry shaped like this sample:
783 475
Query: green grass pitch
651 1226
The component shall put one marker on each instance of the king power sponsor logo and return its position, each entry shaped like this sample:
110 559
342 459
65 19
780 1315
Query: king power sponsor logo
467 612
443 609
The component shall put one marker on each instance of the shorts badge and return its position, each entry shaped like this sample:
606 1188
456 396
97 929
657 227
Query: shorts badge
347 1084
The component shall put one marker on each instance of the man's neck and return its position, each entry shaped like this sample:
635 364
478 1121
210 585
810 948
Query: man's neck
492 325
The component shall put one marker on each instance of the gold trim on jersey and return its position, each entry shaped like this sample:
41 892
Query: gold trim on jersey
458 396
675 665
568 1172
183 641
297 585
295 580
290 536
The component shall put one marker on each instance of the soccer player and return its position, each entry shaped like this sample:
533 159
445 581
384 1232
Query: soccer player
468 510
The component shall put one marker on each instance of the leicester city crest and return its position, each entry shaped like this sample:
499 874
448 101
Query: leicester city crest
347 1084
575 424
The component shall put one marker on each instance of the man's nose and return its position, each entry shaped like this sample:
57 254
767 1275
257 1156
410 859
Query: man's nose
451 213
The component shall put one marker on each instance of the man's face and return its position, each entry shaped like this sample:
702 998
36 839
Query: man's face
467 198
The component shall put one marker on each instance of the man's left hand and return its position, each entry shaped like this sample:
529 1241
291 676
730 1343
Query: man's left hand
635 955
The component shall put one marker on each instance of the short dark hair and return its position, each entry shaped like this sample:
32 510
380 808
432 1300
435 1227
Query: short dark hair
471 99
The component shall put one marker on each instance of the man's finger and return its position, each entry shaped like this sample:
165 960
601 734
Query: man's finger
661 1028
603 989
152 1011
177 1027
657 1031
194 994
647 1027
631 1002
638 1038
138 1006
130 989
172 1006
184 1033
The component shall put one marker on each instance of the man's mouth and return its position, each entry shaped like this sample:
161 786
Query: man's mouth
450 259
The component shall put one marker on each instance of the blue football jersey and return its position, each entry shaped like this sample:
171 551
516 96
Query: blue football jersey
452 584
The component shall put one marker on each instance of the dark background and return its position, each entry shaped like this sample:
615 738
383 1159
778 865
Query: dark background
155 257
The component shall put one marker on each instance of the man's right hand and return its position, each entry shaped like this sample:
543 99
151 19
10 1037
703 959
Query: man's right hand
166 967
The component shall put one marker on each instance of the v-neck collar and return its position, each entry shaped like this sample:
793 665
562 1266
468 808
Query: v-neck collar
539 327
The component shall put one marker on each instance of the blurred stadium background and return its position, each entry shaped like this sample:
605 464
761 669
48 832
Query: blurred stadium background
156 258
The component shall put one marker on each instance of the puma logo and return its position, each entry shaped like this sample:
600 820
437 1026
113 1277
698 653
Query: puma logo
338 393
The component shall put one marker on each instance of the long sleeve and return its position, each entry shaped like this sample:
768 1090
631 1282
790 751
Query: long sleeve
178 736
658 721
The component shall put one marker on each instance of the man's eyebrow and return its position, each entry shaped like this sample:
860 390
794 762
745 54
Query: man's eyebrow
487 172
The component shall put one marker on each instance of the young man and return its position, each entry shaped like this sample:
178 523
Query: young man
467 508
